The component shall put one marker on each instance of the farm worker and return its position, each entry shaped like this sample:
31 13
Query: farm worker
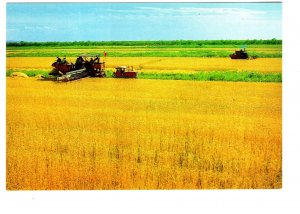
78 63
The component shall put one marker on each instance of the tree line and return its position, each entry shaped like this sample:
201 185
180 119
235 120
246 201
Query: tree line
193 43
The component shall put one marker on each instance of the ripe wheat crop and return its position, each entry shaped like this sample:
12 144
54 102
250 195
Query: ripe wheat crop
142 134
162 64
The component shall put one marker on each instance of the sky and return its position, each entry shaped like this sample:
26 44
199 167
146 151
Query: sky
142 21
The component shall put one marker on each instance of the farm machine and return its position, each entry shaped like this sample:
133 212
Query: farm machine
85 67
65 71
125 72
241 54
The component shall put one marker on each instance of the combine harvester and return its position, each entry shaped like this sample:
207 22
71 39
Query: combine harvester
241 54
64 71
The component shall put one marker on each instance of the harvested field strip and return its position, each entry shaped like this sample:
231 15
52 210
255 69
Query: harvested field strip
215 76
232 76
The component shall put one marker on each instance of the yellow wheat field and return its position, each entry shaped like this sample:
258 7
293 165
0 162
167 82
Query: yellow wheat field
162 64
142 134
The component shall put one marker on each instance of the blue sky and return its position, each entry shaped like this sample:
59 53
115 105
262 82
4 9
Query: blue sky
142 21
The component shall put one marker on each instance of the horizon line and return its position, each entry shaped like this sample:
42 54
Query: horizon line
143 40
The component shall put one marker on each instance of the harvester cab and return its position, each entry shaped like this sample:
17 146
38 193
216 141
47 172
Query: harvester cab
61 67
121 69
93 65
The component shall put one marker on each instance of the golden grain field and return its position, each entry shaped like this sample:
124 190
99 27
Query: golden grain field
142 134
162 64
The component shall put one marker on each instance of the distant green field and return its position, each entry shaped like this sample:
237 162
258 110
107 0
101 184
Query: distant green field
178 48
230 76
147 52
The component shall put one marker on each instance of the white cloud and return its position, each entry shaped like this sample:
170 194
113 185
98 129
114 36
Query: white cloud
49 28
202 11
12 29
39 28
192 13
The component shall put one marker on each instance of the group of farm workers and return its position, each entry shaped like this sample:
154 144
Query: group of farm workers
64 61
79 60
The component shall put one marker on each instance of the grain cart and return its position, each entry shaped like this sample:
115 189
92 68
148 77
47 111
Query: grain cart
84 67
124 72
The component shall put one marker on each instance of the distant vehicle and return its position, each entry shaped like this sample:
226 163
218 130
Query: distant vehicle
241 54
125 72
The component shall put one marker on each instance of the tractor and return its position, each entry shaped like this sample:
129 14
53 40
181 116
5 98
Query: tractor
124 72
